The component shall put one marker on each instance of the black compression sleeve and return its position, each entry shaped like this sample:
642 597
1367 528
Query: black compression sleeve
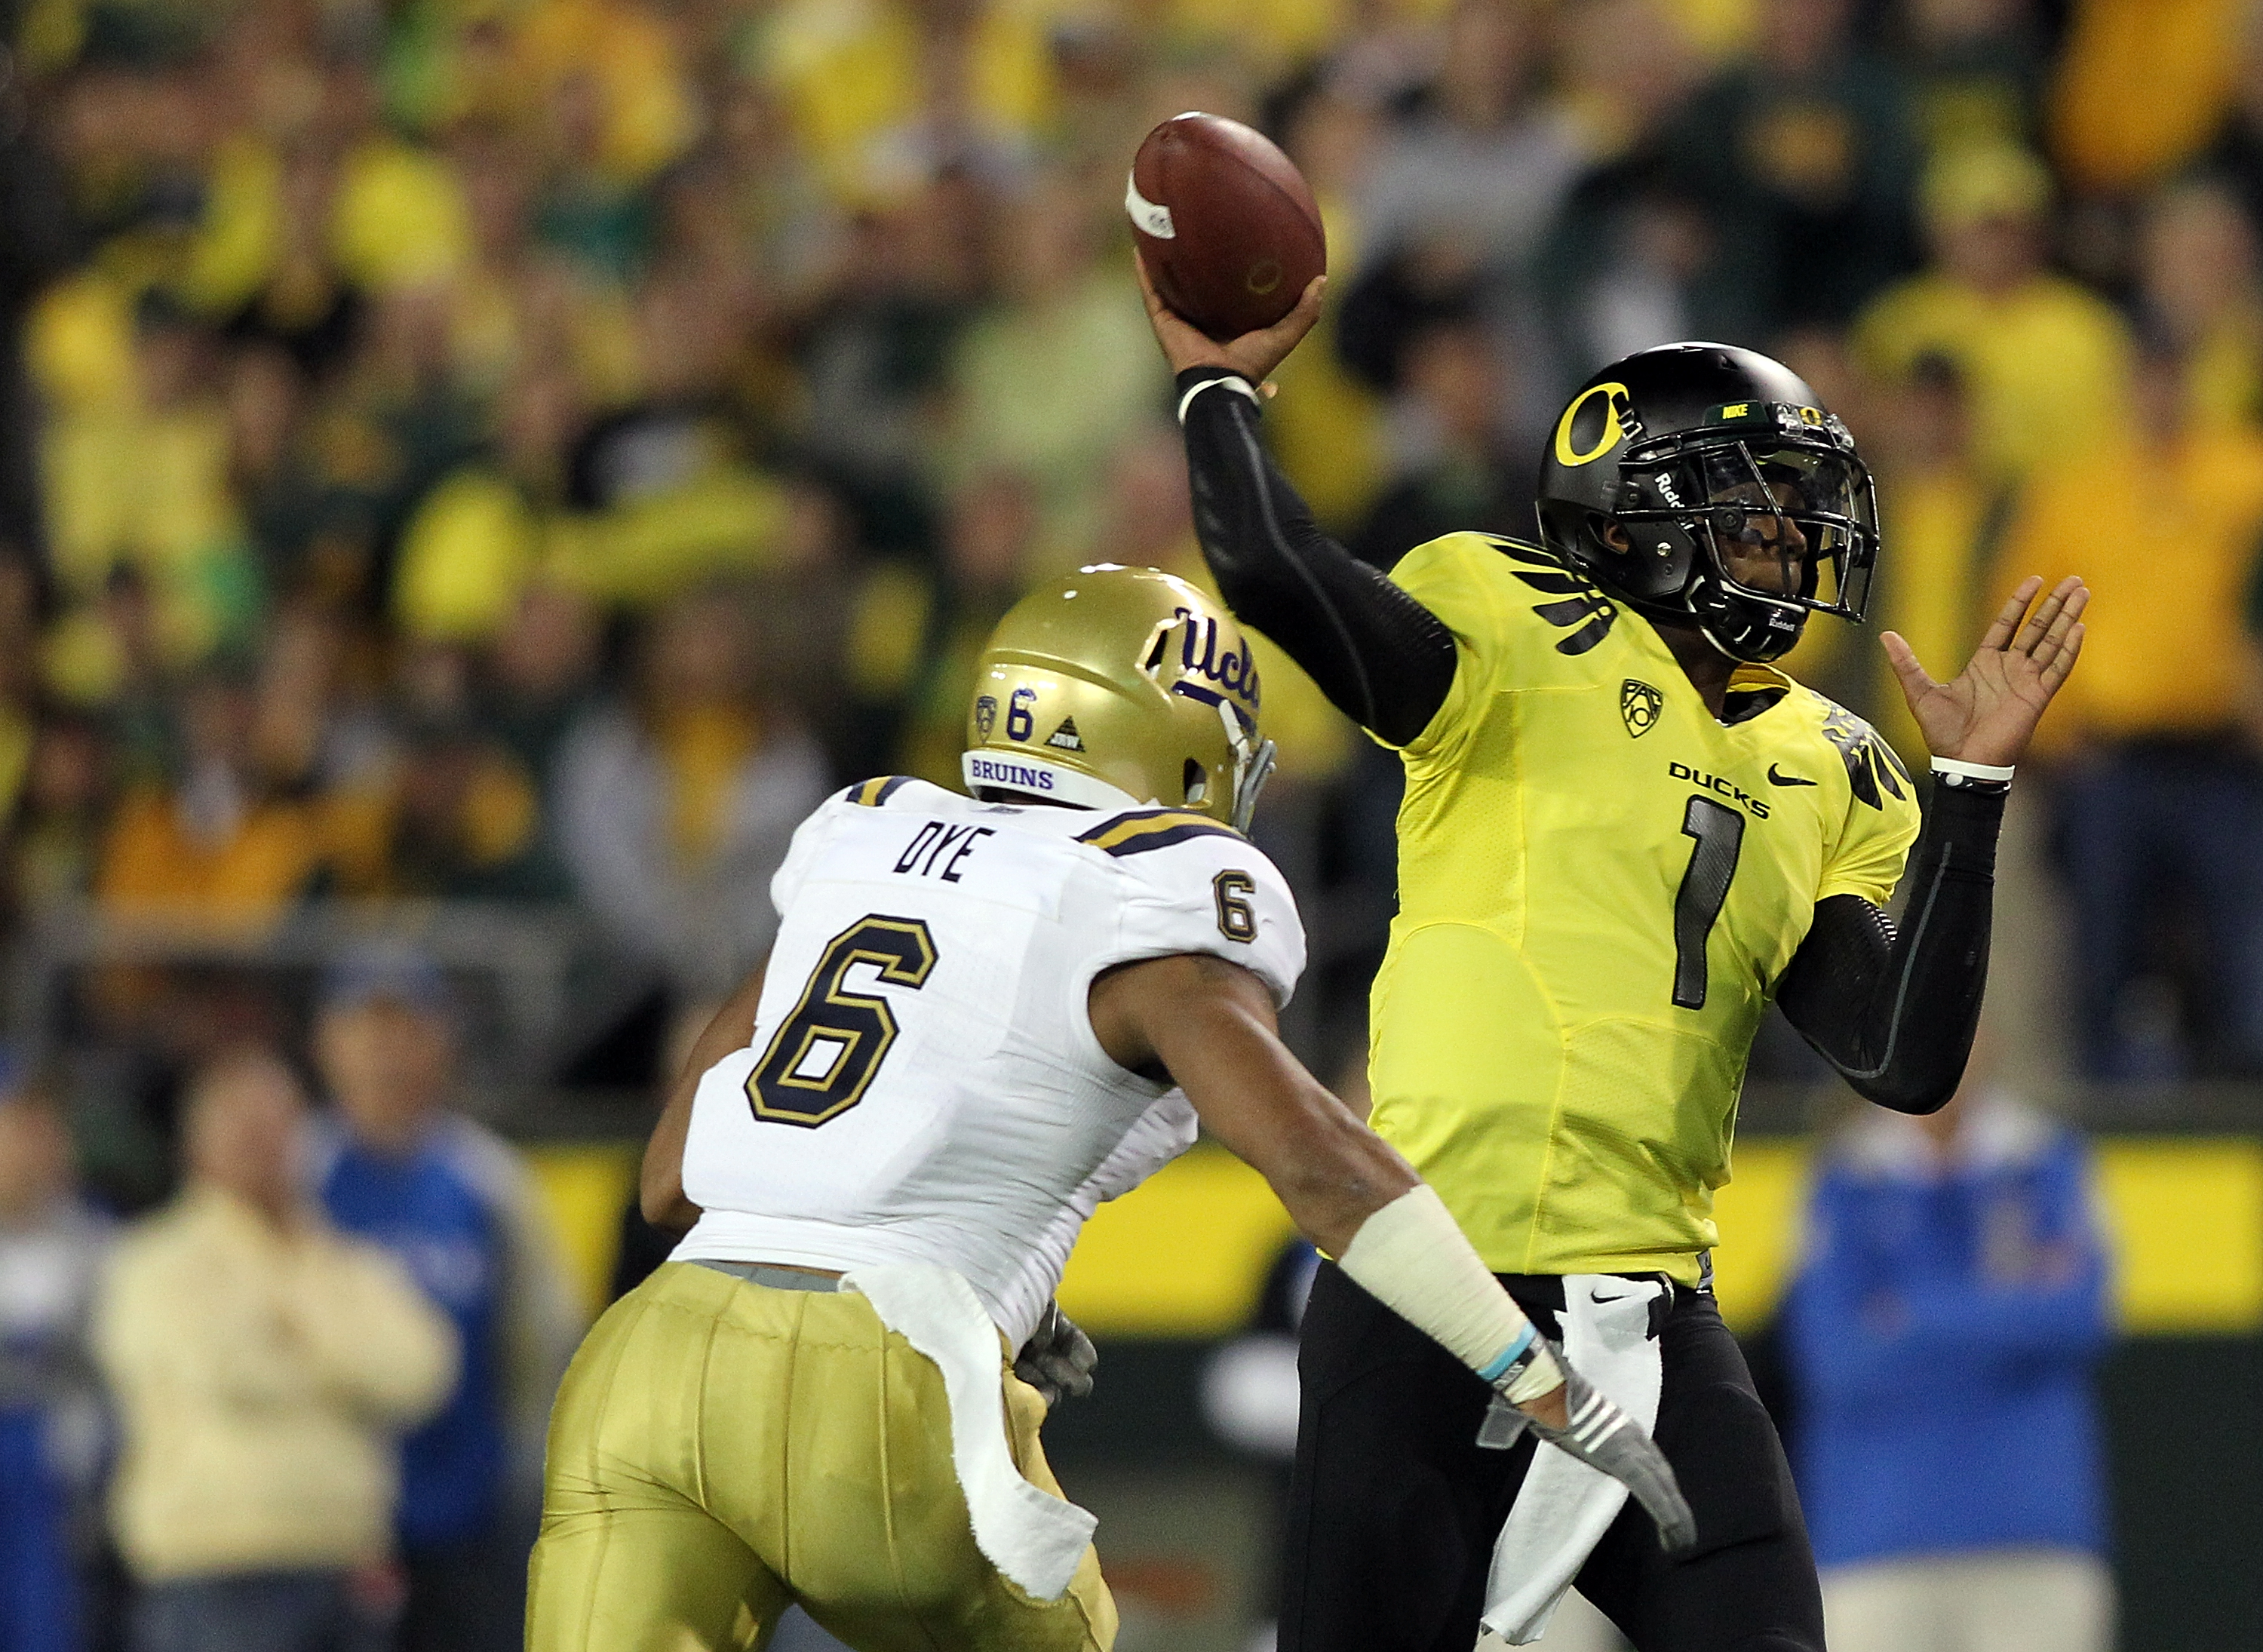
1894 1011
1383 658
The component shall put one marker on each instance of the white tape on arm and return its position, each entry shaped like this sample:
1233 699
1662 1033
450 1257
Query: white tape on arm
1412 1257
1232 381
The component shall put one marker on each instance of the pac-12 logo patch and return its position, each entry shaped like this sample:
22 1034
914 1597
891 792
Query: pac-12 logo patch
986 715
1639 705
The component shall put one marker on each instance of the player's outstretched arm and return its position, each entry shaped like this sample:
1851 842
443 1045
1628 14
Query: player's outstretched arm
1894 1010
1383 659
1209 1025
660 1183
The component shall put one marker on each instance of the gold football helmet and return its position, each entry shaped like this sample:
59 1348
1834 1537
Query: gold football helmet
1115 687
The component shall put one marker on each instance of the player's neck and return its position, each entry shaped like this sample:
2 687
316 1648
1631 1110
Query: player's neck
1707 667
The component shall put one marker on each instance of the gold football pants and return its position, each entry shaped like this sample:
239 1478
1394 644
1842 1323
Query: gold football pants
720 1450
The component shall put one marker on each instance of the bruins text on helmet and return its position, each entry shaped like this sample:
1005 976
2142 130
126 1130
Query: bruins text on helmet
1708 485
1115 687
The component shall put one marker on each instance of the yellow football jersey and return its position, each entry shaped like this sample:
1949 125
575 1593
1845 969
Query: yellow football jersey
1599 887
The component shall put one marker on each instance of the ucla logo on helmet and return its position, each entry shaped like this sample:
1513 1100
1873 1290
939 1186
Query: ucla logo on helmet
1230 669
986 715
1639 706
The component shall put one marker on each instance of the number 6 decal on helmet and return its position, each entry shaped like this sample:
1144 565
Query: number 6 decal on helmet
823 1057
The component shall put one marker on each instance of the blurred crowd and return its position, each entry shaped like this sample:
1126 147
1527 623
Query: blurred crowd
526 451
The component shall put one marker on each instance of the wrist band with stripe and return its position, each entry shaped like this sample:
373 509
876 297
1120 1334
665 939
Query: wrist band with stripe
1957 768
1232 381
1497 1368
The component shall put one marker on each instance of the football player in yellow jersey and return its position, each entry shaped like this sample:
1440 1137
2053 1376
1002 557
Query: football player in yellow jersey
1625 834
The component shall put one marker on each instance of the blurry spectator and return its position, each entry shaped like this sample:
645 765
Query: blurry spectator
1326 427
2236 154
913 639
1467 184
1804 160
51 1425
541 671
1944 518
458 1208
2046 361
473 541
907 87
1977 70
1054 378
143 481
675 806
261 1363
1943 1333
2162 786
875 350
1453 472
219 845
57 832
2202 290
1633 259
2141 87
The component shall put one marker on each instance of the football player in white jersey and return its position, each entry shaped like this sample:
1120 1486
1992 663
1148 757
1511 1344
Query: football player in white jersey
982 1015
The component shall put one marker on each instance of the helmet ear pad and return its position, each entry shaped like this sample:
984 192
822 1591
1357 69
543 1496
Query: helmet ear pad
1654 564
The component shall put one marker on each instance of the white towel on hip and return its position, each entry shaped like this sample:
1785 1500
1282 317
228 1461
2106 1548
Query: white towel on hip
1564 1507
1029 1534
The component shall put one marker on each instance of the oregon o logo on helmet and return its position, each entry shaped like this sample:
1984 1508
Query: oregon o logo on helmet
1619 423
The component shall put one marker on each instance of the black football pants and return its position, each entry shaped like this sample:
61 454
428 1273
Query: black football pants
1394 1509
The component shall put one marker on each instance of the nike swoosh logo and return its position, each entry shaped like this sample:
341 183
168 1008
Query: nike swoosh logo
1785 779
1621 1297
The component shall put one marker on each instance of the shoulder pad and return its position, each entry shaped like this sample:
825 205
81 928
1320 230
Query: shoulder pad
1142 829
873 793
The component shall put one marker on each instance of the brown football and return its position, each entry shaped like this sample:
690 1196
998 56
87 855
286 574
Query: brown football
1226 225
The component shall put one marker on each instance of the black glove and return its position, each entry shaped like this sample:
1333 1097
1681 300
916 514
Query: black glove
1057 1360
1599 1433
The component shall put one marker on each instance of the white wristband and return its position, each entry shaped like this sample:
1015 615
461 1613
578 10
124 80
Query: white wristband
1232 381
2000 773
1412 1257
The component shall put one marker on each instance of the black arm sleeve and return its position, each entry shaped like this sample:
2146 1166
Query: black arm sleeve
1385 659
1894 1011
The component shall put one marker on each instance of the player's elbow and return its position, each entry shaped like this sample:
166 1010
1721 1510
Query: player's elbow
1916 1094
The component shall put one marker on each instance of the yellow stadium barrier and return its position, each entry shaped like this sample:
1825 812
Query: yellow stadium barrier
1186 1254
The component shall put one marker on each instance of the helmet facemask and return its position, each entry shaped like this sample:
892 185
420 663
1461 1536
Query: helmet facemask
1754 534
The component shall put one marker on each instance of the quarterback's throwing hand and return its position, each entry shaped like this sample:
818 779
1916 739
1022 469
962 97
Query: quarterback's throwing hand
1599 1433
1988 714
1253 355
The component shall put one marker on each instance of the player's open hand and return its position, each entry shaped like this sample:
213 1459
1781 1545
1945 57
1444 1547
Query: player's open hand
1253 355
1989 713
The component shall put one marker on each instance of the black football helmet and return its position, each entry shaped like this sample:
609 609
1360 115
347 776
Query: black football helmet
1713 459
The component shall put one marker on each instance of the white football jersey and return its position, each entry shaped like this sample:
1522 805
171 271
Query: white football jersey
924 1084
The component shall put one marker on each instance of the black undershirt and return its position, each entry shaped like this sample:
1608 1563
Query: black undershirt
1892 1008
